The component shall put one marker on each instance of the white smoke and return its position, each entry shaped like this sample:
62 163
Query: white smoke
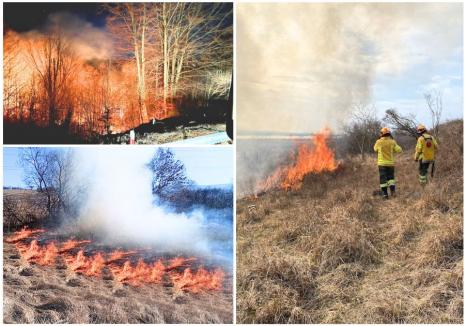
301 66
119 203
88 41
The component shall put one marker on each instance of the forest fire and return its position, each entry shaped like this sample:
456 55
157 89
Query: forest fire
118 263
93 80
311 158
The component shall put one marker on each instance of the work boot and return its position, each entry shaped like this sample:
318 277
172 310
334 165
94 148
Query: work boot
384 193
393 191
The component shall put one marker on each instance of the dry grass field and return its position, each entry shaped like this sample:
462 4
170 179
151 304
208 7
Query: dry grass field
331 252
53 294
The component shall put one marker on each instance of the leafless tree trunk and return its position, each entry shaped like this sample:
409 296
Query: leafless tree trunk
194 39
434 104
129 21
363 129
49 172
54 63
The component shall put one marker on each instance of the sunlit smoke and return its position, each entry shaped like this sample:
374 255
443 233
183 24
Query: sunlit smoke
302 66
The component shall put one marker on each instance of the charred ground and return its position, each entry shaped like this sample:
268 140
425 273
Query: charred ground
332 252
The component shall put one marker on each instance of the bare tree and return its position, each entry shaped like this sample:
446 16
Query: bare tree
169 173
54 64
404 124
129 22
49 172
193 38
434 104
363 129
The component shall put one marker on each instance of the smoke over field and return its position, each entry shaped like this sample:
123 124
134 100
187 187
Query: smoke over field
304 66
119 203
110 224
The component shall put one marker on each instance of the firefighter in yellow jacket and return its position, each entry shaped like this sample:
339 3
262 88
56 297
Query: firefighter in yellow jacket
386 147
426 148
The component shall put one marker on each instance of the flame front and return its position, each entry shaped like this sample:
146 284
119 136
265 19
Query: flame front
72 244
127 273
309 159
201 280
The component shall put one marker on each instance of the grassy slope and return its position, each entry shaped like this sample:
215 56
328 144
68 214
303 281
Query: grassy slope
35 294
333 253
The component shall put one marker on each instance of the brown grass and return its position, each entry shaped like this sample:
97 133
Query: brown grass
36 294
333 253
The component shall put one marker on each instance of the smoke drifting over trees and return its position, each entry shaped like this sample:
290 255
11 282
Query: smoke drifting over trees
148 61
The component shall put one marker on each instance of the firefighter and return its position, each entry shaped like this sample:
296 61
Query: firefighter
386 147
426 148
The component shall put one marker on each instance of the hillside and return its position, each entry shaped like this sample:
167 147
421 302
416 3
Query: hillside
332 252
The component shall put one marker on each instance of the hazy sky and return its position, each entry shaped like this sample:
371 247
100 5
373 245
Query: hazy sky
303 66
204 165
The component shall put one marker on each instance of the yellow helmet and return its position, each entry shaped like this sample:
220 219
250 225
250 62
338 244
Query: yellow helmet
421 128
384 131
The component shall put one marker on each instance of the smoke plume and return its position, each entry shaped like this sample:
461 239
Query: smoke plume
119 208
87 42
302 66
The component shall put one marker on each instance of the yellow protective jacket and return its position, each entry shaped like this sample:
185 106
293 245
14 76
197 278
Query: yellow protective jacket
385 147
426 148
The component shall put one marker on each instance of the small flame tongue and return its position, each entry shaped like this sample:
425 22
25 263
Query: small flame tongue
22 234
310 159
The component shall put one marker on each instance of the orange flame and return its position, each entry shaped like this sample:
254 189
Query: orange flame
309 159
202 280
22 234
178 262
71 244
117 255
91 266
139 274
40 255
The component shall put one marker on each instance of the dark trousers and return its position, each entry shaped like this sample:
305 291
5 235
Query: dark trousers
423 169
387 178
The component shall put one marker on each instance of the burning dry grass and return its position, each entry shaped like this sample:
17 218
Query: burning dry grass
52 284
332 253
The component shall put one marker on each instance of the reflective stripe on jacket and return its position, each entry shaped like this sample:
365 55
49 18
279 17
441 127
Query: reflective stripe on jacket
426 148
385 148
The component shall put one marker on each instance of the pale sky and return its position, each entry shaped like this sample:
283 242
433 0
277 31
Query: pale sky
204 165
303 66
